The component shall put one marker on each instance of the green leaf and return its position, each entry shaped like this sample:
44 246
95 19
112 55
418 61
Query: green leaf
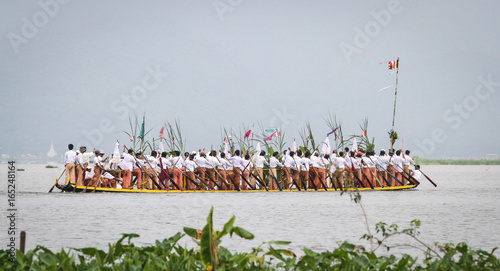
243 233
190 231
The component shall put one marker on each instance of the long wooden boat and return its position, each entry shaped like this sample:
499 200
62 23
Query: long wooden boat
89 189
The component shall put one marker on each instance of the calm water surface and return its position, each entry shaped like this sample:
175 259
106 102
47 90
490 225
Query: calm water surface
464 207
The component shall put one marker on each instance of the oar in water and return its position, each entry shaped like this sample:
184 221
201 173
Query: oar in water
57 180
435 185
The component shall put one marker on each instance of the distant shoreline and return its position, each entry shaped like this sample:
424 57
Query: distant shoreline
460 162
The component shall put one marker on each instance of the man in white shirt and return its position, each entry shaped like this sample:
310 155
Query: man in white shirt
397 161
259 162
225 165
83 159
164 174
237 163
408 161
416 174
306 166
296 168
178 164
273 176
211 166
127 165
69 162
288 163
151 174
190 169
339 173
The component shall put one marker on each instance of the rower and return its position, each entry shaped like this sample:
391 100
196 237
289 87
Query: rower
416 173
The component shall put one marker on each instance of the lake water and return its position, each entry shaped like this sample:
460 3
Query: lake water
464 207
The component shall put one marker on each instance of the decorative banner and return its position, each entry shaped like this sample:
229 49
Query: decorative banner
161 147
325 149
162 132
333 131
294 146
270 130
354 145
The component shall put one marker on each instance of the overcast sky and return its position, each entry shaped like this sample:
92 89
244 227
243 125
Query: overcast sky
73 71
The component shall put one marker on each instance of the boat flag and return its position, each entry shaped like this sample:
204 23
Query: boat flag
162 132
294 146
224 141
115 161
230 137
272 135
392 64
354 145
325 149
226 148
247 134
258 149
333 131
363 133
141 135
161 147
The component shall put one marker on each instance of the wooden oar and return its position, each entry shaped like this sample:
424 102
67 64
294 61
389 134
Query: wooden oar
414 182
157 175
194 181
367 180
57 181
227 175
258 179
209 177
356 175
435 185
300 177
317 175
276 180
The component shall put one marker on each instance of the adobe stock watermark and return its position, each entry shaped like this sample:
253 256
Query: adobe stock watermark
363 37
31 26
223 6
280 118
124 105
455 116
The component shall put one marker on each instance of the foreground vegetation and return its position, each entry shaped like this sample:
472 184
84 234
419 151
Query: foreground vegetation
208 254
425 161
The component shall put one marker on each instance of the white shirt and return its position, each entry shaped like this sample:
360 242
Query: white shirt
408 161
340 162
416 174
398 163
84 157
247 165
177 162
260 161
321 163
288 160
367 162
202 162
273 162
237 161
70 157
150 161
98 161
296 162
225 164
306 163
164 162
127 162
383 161
190 165
213 162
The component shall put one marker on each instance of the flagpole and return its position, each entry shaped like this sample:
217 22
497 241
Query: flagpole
395 97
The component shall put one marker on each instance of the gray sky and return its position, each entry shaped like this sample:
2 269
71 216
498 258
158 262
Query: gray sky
72 71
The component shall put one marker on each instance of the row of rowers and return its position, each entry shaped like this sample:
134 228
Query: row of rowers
220 170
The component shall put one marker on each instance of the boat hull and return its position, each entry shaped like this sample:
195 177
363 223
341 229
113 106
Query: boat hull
89 189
